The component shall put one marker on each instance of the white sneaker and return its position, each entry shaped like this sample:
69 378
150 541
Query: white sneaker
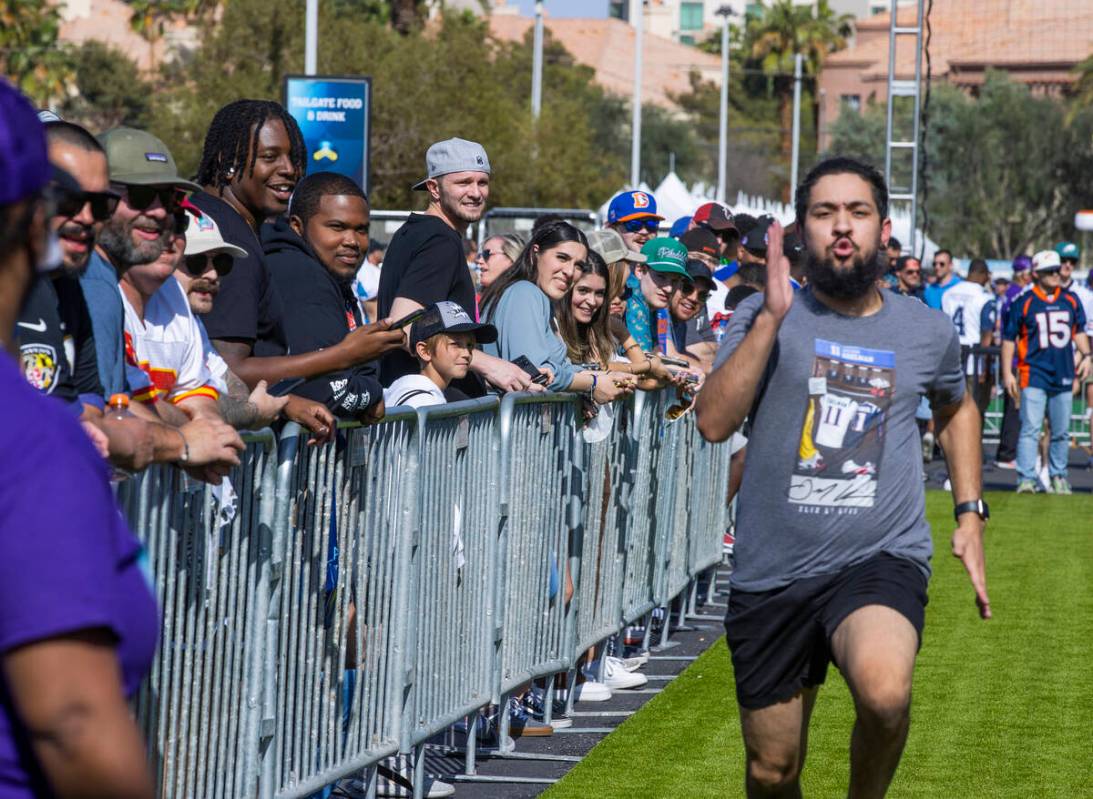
616 677
591 691
388 788
636 662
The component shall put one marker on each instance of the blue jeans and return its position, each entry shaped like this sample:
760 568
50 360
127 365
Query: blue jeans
1033 403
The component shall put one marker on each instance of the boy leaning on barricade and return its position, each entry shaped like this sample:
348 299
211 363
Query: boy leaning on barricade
442 340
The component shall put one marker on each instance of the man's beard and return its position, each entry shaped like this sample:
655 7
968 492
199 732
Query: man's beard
117 240
852 284
76 264
455 210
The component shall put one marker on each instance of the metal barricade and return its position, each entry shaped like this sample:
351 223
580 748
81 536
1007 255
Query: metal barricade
608 475
539 492
343 590
709 501
453 622
676 478
199 707
638 582
370 592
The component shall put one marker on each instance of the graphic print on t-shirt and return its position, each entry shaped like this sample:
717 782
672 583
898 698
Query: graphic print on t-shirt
842 438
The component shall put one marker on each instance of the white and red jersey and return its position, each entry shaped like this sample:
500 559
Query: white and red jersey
164 356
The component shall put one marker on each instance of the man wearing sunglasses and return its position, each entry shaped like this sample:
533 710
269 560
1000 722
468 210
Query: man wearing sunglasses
57 345
944 278
909 277
143 175
633 215
692 337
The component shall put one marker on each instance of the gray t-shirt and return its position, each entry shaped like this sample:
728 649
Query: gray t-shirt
834 465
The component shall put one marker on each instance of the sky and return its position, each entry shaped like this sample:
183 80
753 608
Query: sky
565 8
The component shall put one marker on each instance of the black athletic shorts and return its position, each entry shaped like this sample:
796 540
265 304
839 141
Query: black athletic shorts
780 639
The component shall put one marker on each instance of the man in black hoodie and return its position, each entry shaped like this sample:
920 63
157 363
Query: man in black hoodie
313 256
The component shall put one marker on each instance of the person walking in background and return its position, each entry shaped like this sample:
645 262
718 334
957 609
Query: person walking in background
1043 328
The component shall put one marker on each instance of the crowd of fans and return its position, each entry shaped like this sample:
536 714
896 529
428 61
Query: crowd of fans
165 314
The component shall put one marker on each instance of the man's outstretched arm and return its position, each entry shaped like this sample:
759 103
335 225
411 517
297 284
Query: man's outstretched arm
959 433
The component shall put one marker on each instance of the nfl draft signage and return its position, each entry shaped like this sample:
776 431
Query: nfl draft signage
333 115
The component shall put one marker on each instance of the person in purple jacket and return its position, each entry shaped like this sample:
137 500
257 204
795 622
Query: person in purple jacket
78 622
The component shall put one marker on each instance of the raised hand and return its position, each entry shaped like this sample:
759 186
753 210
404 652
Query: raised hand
778 295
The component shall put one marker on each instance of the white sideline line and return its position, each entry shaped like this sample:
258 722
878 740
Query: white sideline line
674 657
589 713
585 731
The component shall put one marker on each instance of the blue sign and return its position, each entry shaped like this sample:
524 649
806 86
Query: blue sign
333 114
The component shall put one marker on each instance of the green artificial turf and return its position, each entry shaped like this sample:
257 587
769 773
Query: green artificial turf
1002 708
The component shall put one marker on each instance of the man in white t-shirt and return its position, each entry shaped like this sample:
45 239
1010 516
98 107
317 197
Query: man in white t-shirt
164 354
967 303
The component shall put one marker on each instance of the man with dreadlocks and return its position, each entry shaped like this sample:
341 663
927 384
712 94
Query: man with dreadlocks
253 158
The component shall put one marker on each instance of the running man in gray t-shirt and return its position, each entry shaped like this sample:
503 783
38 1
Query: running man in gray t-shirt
832 546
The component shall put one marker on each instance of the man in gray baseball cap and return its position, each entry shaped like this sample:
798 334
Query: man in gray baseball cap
450 156
425 264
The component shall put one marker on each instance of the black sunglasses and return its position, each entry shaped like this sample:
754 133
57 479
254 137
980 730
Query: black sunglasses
486 254
69 203
198 265
636 225
140 198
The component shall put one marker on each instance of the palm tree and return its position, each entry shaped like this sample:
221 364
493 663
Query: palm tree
783 30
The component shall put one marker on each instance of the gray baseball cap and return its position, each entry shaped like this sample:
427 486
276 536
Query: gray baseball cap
608 244
453 155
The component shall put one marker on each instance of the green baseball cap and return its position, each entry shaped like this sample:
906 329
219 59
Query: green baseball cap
663 254
138 158
1068 249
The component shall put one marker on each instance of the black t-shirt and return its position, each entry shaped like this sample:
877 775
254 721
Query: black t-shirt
248 308
56 343
425 263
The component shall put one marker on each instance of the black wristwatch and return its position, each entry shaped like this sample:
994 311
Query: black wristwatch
975 506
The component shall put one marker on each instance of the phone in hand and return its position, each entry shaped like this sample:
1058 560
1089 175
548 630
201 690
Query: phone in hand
664 359
537 376
409 319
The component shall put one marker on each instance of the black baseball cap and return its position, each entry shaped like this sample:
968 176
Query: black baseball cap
699 272
449 317
755 240
701 239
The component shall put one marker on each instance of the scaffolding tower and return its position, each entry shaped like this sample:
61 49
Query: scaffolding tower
903 187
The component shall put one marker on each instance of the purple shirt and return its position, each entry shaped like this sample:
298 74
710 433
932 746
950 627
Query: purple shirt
67 560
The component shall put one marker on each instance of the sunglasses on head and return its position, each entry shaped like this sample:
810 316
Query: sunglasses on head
637 225
69 203
140 198
198 265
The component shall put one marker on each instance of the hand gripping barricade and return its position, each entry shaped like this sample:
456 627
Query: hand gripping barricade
371 592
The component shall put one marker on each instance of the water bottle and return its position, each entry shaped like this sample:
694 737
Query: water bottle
117 409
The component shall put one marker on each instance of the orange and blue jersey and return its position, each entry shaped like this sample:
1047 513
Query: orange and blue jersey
1043 328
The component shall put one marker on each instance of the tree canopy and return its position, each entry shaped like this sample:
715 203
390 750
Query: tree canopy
1006 170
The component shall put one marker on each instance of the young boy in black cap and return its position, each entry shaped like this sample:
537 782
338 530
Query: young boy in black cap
442 340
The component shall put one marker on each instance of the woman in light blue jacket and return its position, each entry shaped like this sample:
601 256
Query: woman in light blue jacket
519 304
